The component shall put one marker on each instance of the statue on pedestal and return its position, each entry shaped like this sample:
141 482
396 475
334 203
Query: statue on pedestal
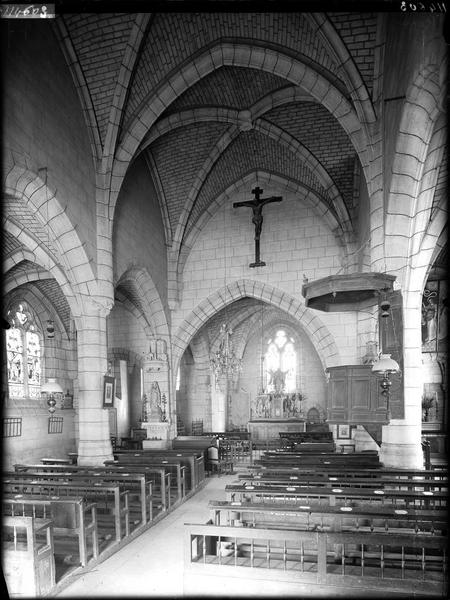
152 411
278 379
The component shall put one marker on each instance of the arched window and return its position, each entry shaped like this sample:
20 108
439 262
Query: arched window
281 363
23 347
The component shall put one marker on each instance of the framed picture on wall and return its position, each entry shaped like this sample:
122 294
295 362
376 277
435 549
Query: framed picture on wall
109 385
343 432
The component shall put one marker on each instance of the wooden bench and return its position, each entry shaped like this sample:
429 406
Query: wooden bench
335 518
365 458
184 468
331 496
72 517
195 462
228 435
157 473
313 447
306 436
319 460
157 476
110 498
349 471
408 563
314 479
56 461
140 491
27 556
148 466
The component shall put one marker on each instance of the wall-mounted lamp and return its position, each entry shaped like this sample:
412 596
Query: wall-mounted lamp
48 392
386 366
50 329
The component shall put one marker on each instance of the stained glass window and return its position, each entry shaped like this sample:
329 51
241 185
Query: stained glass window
280 363
23 348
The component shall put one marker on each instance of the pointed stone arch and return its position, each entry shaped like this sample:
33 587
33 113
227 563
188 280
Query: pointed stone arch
43 202
176 262
237 55
46 261
19 255
318 333
342 218
139 280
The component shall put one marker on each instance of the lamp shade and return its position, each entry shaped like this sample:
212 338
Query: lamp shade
385 364
51 387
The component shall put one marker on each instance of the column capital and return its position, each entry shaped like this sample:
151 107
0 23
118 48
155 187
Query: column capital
97 306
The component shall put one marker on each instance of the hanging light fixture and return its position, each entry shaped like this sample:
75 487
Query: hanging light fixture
385 365
50 391
224 361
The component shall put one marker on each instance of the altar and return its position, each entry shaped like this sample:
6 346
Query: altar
276 412
267 429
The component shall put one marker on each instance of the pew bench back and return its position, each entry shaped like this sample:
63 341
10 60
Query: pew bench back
376 561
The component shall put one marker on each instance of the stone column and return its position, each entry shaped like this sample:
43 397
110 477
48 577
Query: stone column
401 439
94 445
219 394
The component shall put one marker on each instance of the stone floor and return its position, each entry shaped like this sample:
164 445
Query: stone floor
153 565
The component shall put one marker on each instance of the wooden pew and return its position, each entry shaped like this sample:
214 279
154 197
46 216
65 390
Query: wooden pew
155 476
313 447
72 517
27 556
195 463
306 436
335 518
151 468
314 479
410 564
180 470
316 460
331 496
56 461
139 490
364 459
229 435
157 473
109 497
349 471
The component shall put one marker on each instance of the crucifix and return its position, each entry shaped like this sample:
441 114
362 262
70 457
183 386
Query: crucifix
257 205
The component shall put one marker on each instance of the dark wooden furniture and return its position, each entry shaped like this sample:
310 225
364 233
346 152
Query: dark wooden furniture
354 396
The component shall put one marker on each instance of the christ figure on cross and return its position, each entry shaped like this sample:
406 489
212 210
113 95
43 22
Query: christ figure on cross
257 205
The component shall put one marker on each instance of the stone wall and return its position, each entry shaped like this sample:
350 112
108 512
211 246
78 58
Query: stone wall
293 244
138 236
37 127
